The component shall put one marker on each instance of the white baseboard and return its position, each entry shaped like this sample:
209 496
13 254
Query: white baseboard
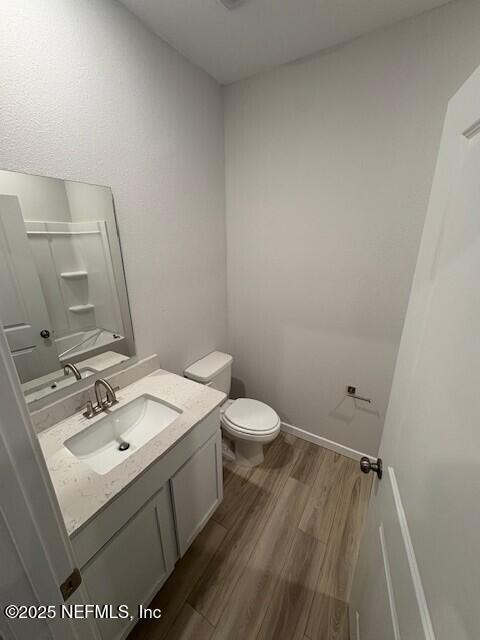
323 442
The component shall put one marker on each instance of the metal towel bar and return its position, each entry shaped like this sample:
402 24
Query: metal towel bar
360 398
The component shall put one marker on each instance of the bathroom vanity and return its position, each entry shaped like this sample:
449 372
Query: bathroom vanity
137 480
130 519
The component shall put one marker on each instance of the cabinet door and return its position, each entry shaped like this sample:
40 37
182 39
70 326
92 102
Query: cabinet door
197 490
131 567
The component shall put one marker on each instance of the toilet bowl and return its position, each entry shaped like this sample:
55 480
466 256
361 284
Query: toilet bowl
248 423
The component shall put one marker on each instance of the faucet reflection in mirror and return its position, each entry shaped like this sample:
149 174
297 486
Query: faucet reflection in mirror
63 298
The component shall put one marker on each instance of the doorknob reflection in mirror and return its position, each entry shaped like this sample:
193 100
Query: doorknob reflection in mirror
366 465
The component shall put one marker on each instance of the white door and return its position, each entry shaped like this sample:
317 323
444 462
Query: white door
23 311
419 567
36 553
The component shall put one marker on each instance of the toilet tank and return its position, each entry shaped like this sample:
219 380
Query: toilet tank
215 369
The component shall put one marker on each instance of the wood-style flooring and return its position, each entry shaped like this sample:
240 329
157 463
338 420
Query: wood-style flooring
276 561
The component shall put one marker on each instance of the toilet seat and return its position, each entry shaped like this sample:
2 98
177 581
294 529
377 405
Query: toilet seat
251 419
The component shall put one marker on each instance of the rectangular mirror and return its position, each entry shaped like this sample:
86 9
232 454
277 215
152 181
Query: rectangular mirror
63 296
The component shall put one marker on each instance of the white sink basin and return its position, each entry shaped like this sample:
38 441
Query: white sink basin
111 440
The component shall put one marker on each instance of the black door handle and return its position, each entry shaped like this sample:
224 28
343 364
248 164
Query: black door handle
45 333
366 465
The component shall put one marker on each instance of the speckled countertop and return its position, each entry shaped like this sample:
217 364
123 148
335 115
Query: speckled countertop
81 492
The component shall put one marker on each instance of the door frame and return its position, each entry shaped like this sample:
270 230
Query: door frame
30 510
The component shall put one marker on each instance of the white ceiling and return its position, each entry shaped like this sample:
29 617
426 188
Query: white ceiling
260 34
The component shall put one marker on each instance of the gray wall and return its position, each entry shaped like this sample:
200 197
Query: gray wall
87 93
329 163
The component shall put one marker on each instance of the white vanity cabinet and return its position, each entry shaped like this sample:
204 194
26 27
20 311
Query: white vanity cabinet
134 563
197 490
128 550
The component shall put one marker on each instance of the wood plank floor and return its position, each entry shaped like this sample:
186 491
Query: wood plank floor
276 561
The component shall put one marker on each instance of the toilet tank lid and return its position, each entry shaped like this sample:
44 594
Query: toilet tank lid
208 367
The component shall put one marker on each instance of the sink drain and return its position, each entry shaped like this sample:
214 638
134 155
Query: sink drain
123 446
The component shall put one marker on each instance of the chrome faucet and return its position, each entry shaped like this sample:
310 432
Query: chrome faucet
101 405
111 398
71 367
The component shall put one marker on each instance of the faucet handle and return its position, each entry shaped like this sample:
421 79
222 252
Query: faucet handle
89 410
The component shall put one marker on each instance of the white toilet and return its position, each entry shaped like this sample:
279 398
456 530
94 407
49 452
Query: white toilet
248 423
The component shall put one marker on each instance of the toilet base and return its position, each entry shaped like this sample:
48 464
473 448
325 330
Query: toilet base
248 453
